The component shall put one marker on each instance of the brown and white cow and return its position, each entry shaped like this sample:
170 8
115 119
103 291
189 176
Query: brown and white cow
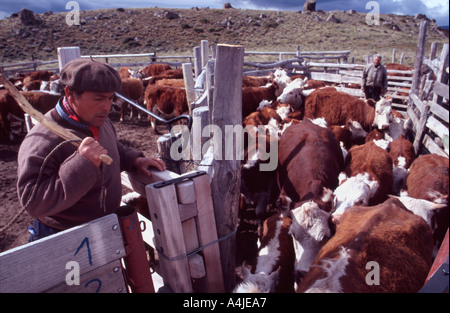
428 179
253 96
273 270
292 94
382 248
370 178
403 154
310 159
338 108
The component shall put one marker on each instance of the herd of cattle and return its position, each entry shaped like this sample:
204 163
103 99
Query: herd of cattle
348 192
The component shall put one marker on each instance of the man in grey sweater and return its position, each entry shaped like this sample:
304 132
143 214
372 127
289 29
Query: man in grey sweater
64 186
374 79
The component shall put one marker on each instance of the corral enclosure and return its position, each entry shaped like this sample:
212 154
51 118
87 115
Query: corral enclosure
426 105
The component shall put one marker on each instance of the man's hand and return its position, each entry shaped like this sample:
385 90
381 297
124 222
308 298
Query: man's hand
92 150
143 165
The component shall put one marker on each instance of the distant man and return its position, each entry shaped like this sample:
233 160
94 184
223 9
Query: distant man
374 79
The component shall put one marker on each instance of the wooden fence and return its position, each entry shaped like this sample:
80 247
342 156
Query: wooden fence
428 105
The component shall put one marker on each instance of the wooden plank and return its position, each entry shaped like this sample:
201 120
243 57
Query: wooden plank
417 102
351 91
187 211
440 130
105 279
391 83
432 146
67 54
196 264
137 181
441 89
412 115
41 264
169 237
421 127
439 111
207 233
402 78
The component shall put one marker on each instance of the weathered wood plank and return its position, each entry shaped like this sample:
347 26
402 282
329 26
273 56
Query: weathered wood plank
417 102
441 89
429 143
169 239
439 111
207 233
41 265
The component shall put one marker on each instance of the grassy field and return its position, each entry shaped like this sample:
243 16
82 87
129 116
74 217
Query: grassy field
145 30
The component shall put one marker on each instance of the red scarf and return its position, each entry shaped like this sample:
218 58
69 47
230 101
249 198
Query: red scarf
75 117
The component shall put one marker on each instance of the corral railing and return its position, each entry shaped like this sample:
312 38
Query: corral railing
428 105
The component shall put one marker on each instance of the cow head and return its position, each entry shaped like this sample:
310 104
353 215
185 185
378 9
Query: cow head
258 282
292 93
421 207
310 230
383 114
356 190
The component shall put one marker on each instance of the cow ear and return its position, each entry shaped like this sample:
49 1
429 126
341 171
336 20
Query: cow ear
370 102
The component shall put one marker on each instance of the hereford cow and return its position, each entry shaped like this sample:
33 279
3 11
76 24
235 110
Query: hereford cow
310 159
256 81
310 229
369 169
403 154
382 248
252 97
428 180
292 94
338 107
258 172
273 270
166 101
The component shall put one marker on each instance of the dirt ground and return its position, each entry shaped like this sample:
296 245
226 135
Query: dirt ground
134 133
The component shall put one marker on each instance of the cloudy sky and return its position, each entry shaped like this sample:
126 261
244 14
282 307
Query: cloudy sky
435 9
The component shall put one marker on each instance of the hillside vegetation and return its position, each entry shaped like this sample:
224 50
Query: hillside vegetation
153 30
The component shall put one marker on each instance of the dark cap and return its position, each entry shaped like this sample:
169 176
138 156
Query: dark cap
89 75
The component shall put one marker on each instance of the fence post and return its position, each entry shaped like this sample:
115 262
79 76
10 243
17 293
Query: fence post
419 57
225 185
197 61
66 54
205 52
189 85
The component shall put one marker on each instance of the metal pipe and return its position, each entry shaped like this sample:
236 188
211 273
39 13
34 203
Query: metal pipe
138 274
159 118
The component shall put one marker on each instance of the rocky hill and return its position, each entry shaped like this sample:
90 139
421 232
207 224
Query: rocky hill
177 31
